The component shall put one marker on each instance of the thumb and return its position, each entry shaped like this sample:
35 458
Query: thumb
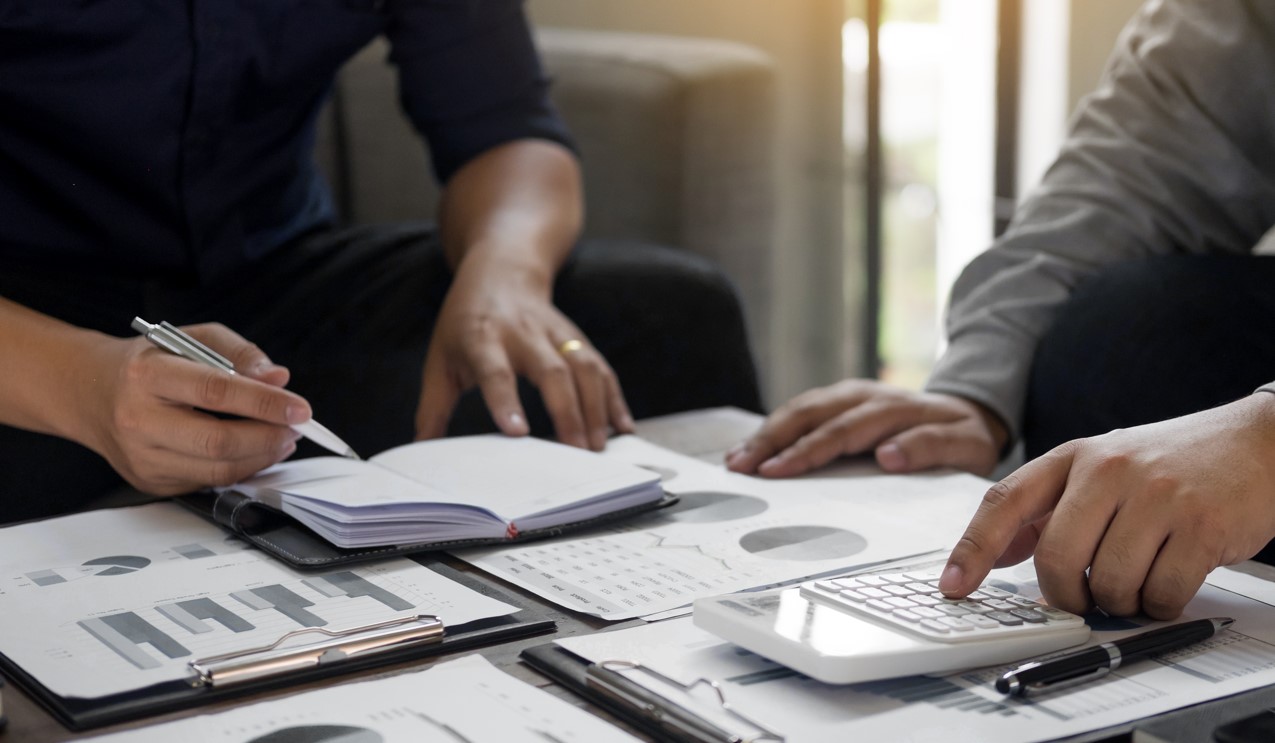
937 445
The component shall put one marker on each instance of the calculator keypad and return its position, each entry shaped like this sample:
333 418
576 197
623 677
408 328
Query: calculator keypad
912 601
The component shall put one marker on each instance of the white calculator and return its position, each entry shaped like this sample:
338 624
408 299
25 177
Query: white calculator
865 627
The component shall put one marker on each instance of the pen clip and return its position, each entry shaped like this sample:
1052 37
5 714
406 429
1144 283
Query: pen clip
1035 688
176 341
196 347
260 662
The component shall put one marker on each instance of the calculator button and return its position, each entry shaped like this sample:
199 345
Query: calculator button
981 622
1028 615
956 623
912 603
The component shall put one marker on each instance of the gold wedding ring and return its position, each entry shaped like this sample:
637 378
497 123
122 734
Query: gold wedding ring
570 346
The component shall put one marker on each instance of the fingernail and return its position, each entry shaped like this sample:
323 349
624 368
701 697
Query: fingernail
891 457
516 420
736 450
286 450
626 423
952 579
296 414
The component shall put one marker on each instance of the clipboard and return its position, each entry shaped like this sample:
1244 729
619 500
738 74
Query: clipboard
291 542
347 651
646 709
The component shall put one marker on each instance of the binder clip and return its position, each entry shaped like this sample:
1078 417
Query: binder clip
349 644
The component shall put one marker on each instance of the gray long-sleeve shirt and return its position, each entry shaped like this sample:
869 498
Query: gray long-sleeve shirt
1174 153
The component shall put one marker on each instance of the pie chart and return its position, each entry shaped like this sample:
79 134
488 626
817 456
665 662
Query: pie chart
117 565
321 734
707 507
803 543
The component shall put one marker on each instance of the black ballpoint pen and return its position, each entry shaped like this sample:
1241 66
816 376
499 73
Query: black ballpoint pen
1081 666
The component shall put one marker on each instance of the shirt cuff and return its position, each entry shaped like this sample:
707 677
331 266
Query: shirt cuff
991 370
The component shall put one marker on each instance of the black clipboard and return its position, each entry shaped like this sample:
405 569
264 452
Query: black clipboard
83 714
291 542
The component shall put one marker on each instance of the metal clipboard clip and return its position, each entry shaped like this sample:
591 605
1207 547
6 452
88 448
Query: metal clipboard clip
605 677
261 662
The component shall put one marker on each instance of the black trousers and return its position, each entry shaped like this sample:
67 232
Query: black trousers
1151 340
351 312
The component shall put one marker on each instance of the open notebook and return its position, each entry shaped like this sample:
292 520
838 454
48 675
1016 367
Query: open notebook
489 487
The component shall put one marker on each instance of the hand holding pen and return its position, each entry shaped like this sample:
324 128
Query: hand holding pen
177 342
170 426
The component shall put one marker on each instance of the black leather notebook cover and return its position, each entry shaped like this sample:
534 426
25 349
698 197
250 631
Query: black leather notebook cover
83 714
290 541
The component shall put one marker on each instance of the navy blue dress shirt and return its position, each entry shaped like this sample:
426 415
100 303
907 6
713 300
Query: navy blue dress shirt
174 138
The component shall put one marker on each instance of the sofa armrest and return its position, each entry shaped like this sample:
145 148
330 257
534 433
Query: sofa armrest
676 138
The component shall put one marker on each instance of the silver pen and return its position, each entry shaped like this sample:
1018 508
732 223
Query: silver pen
171 338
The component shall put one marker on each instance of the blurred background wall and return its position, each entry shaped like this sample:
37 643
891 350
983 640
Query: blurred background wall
939 134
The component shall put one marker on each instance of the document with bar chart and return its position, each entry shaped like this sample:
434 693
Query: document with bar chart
110 601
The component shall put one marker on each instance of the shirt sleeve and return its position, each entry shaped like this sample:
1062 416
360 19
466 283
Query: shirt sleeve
1172 154
470 78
